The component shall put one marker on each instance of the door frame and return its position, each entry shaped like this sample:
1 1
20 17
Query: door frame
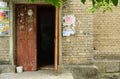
56 57
56 40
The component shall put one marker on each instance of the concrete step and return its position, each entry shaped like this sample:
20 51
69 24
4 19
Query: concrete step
41 74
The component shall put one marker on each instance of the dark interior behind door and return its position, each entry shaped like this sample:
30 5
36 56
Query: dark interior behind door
45 35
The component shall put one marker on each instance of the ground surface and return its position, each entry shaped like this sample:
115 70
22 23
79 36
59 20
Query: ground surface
41 74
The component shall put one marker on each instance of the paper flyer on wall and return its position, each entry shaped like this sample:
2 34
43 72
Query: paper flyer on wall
69 25
4 21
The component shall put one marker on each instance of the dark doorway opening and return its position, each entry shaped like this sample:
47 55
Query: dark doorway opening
45 36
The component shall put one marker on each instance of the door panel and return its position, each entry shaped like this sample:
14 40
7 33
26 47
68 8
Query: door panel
26 36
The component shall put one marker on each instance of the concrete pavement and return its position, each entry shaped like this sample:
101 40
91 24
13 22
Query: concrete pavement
41 74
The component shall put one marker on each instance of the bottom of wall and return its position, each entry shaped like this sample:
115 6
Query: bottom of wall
80 71
7 69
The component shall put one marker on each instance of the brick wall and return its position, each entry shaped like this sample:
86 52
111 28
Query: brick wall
4 50
107 34
99 31
97 35
77 49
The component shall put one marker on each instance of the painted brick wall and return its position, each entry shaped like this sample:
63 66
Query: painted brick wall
107 34
4 50
98 31
77 49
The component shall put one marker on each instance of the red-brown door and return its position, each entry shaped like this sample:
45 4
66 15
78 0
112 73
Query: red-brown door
26 36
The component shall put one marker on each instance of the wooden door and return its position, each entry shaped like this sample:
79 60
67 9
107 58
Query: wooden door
26 36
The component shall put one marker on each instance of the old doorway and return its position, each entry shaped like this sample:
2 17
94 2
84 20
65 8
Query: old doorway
45 36
36 36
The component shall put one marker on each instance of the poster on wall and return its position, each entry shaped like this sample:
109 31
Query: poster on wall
4 21
68 25
1 14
